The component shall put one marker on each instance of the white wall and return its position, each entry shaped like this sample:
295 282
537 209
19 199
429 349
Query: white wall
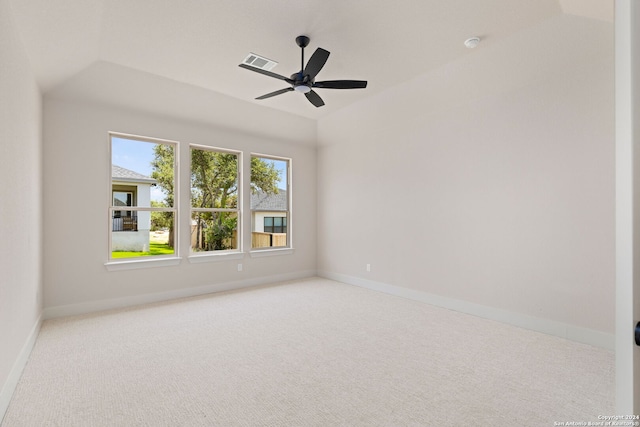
482 186
76 145
20 206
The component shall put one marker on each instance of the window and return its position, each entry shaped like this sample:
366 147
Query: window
144 206
122 198
142 180
275 224
270 195
215 204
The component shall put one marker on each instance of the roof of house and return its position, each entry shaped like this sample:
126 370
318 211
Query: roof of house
261 201
118 173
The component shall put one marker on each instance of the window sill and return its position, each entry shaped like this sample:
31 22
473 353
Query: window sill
213 257
141 263
271 252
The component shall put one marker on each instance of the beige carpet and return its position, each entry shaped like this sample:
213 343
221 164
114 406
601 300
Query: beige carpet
306 353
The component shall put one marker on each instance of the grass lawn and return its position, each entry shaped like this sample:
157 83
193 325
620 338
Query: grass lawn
154 249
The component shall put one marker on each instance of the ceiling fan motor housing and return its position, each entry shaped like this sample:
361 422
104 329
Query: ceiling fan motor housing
302 41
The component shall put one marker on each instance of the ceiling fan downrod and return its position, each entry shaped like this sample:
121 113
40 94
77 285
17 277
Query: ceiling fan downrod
302 41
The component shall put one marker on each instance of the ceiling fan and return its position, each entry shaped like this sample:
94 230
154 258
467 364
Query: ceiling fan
304 80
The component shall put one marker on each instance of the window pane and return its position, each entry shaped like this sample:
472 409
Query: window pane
137 235
142 176
142 173
214 179
269 202
269 176
214 231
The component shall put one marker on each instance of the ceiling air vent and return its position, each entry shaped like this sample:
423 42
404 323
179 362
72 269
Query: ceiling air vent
258 61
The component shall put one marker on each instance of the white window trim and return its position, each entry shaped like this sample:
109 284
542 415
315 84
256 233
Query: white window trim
222 255
260 252
120 264
286 250
135 263
217 256
114 264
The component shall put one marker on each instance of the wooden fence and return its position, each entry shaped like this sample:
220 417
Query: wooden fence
258 239
231 242
267 240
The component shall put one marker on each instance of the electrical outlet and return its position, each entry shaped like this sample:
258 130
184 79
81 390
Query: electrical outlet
368 267
239 267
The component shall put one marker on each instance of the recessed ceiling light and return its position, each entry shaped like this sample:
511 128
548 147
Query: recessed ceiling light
472 42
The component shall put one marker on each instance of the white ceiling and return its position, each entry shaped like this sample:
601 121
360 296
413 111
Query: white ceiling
201 43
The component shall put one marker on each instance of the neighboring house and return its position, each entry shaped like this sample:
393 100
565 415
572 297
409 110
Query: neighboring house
269 212
130 229
269 219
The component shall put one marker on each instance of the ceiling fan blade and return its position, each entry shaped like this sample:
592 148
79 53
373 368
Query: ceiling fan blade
341 84
266 73
316 62
278 92
314 98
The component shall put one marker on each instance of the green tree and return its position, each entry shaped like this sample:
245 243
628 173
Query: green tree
160 220
219 232
163 167
264 176
214 184
214 179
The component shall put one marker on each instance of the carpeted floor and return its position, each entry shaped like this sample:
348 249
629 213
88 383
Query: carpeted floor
306 353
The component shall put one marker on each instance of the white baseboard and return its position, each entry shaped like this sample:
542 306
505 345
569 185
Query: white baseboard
18 366
114 303
550 327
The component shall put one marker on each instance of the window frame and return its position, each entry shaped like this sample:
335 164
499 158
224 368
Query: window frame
144 261
178 210
222 253
276 250
273 225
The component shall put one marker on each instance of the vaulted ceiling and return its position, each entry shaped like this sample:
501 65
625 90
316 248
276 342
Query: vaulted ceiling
201 43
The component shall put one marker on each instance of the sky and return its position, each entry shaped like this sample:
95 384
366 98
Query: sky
132 155
137 156
281 165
